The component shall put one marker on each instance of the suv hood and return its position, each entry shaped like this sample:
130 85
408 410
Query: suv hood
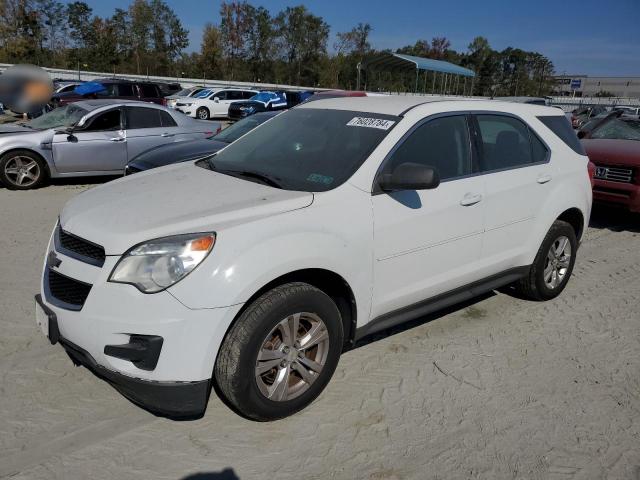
182 198
613 152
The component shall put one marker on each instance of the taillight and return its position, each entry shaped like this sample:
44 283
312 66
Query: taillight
164 102
591 168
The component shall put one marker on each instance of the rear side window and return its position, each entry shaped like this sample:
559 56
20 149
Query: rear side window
166 119
147 90
505 143
125 90
562 128
442 143
140 117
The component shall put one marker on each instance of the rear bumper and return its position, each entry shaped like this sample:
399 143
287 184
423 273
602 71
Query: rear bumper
180 400
617 193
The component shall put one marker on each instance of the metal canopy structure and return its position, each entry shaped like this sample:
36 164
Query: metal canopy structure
450 74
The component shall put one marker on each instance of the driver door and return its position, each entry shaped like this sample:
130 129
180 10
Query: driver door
428 242
99 146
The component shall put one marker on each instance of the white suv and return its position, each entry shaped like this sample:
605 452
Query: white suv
255 268
210 103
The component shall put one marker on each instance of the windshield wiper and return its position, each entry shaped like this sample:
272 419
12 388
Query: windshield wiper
266 179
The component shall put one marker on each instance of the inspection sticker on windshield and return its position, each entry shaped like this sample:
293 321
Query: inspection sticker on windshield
371 123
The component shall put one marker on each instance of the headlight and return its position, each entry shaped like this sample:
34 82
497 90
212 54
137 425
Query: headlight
157 264
246 109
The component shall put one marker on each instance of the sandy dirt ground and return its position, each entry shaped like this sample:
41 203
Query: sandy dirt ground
497 388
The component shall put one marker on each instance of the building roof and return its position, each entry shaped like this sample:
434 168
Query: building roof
400 60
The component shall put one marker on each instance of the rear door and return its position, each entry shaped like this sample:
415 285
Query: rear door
144 129
518 176
99 147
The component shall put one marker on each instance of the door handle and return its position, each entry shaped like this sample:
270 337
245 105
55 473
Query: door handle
117 139
470 199
167 134
544 178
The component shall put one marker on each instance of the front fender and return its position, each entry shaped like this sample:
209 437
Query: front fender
335 233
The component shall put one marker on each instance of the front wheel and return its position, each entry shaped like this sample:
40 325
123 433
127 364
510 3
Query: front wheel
22 170
202 113
553 264
280 353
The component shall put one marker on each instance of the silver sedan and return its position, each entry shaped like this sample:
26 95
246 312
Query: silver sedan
92 137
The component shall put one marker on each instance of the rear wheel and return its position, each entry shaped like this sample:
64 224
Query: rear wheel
202 113
553 264
22 170
281 352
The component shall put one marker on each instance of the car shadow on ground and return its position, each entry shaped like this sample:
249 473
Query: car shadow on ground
389 332
226 474
614 219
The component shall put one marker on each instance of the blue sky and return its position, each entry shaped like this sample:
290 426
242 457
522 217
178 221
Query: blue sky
593 37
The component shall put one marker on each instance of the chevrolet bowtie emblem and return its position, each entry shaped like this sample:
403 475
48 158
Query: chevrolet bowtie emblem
53 260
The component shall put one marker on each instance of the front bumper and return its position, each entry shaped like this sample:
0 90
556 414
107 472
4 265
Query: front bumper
176 381
171 399
617 193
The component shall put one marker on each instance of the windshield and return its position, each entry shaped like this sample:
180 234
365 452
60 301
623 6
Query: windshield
238 129
307 149
617 129
66 116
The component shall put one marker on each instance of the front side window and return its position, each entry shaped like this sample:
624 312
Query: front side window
105 121
504 143
442 143
306 149
221 95
140 117
234 95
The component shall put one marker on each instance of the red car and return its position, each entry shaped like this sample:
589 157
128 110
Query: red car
613 145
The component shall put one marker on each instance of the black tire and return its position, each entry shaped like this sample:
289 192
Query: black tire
533 286
202 113
235 368
25 157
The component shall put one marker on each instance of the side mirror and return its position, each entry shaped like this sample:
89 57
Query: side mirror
410 176
216 99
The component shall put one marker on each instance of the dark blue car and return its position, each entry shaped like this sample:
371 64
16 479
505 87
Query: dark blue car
194 149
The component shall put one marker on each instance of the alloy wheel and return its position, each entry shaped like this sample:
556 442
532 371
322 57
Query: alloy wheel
22 171
292 356
557 262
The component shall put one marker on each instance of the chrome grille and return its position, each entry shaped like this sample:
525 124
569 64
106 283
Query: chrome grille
614 174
